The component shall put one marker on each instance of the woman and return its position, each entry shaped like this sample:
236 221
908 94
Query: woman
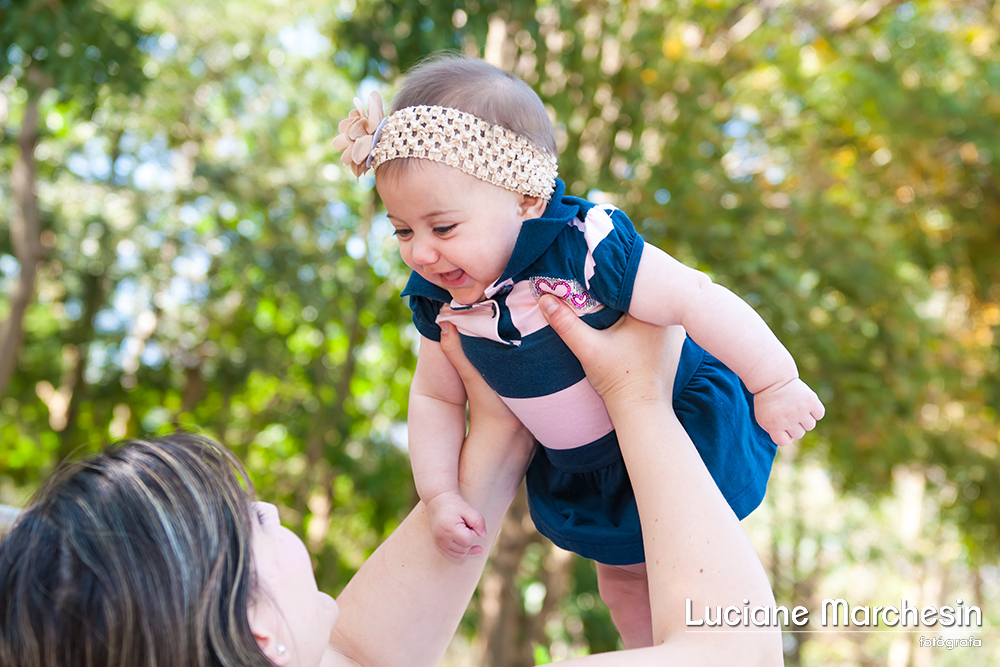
152 554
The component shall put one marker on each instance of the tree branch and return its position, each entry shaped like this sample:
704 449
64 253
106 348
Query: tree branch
25 232
852 15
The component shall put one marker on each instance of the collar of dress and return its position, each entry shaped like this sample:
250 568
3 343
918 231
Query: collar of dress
533 240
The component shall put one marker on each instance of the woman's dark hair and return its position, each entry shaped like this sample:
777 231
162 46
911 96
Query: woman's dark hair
139 556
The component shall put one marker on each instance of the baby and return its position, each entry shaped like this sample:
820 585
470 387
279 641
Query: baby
466 168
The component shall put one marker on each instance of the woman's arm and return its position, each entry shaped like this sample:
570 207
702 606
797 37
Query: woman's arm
404 604
695 547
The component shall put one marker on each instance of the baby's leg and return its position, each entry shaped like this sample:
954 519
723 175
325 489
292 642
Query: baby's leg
625 590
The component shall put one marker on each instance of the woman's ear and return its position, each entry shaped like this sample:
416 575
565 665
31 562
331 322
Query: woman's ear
532 207
263 618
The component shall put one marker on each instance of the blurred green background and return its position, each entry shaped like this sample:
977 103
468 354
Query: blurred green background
180 247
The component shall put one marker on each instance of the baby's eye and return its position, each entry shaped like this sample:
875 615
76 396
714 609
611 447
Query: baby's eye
402 233
441 231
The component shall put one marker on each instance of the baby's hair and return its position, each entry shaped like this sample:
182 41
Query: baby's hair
477 87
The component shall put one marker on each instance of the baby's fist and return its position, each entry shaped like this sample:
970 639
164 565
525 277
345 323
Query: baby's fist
787 411
455 524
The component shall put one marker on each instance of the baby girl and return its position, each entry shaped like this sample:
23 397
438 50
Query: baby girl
465 165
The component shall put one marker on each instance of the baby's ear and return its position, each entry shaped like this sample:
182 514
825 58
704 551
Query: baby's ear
532 207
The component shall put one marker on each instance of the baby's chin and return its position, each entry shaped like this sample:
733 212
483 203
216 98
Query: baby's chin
467 296
464 299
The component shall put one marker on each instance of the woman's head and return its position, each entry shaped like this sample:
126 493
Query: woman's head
142 555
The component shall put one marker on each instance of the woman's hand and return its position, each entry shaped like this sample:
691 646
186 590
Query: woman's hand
618 359
484 404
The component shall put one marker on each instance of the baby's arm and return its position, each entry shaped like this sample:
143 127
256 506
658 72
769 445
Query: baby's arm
667 292
436 429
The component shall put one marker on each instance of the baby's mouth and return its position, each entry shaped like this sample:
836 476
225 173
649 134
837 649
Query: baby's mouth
452 278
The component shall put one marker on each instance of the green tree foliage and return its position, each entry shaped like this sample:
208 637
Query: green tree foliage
832 166
52 46
74 46
204 261
206 268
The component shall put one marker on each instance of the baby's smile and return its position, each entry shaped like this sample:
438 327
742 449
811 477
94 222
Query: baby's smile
452 278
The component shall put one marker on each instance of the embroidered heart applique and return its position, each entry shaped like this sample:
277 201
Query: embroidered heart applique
559 288
567 290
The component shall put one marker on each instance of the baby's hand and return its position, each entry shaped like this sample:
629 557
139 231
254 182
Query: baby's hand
787 411
455 524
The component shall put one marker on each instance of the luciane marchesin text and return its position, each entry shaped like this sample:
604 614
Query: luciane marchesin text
839 612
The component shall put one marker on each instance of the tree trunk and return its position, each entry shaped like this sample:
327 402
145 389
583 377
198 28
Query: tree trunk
95 289
910 488
557 575
503 627
75 385
25 233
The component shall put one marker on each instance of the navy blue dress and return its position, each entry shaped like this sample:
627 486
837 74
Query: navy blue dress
579 492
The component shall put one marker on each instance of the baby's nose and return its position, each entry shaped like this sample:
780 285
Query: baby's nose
424 253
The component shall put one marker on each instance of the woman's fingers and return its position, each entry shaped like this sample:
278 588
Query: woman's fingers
594 349
564 321
482 399
451 344
629 359
475 385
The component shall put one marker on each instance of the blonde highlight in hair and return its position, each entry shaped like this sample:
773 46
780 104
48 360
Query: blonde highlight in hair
138 557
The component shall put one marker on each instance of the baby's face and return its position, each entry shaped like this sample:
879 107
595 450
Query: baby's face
456 231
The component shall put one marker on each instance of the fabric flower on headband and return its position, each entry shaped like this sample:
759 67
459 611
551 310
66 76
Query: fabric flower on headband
358 134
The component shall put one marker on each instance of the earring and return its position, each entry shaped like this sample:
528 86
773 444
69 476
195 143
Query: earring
281 649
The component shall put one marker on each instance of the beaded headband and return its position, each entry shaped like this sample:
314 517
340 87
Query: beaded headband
489 152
